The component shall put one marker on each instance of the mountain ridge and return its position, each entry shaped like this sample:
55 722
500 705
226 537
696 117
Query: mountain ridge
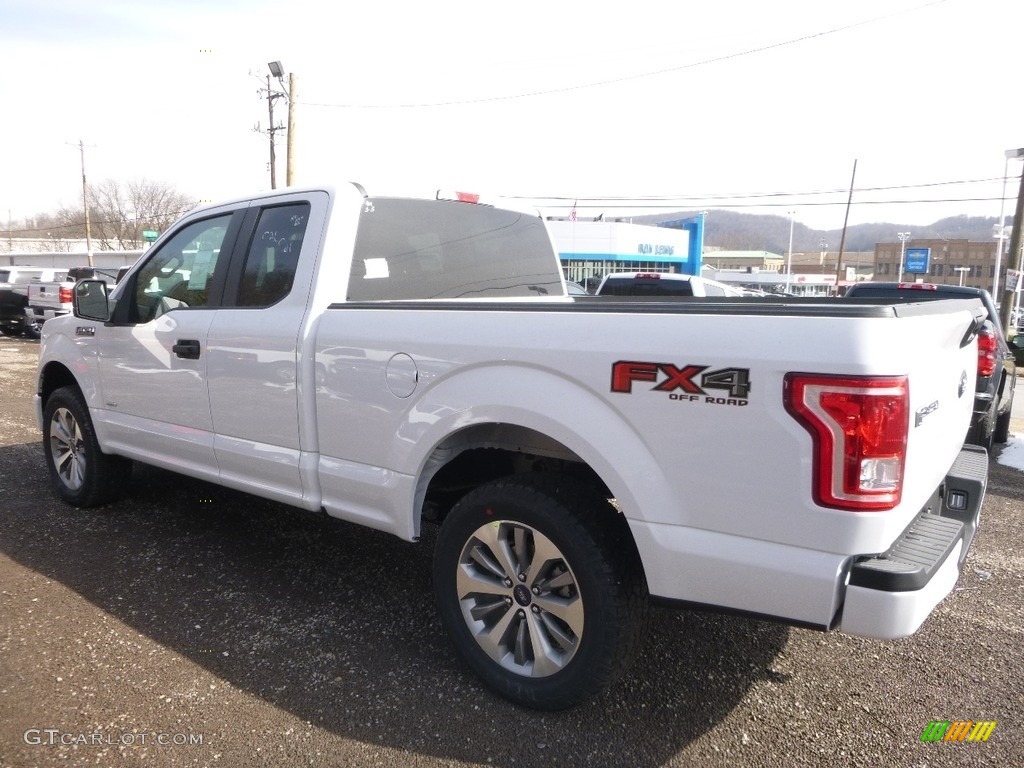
734 231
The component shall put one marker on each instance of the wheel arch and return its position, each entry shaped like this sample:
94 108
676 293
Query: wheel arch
569 427
52 376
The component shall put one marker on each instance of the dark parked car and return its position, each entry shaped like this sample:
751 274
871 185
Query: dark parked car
993 394
14 281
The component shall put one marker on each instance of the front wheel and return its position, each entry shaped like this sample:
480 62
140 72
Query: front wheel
540 587
83 475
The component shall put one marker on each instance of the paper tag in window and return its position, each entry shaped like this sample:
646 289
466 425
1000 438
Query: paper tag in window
200 274
376 268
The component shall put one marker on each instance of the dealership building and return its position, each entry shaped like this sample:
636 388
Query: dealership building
592 248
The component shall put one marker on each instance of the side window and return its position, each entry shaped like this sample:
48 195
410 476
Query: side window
273 255
178 276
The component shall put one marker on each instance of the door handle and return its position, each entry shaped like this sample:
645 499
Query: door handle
187 348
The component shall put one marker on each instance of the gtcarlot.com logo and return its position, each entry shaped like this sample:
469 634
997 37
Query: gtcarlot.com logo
50 737
958 730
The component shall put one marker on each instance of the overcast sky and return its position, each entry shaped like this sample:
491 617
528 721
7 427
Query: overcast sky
758 106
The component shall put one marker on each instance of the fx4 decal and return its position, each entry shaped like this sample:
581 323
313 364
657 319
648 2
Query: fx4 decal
670 378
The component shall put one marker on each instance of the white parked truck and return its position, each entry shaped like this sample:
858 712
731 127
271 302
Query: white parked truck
47 300
418 362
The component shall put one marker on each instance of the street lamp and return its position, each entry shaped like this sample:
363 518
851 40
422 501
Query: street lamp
903 236
789 253
961 270
1010 153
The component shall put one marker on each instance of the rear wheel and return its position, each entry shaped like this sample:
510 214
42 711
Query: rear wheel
33 328
981 433
1002 431
539 584
83 475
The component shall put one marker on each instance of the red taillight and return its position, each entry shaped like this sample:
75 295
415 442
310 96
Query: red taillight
64 295
918 286
648 276
987 346
859 426
461 197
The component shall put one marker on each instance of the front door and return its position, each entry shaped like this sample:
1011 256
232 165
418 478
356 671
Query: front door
153 368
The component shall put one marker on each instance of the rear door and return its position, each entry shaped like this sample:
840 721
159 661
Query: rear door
254 367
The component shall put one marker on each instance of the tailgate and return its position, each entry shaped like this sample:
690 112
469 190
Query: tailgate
46 295
942 361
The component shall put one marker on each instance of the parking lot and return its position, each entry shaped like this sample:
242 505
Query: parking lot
192 625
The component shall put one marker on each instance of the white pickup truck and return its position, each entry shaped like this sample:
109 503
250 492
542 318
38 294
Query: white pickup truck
47 300
414 362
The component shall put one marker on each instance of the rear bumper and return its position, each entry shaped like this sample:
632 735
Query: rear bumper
891 594
42 313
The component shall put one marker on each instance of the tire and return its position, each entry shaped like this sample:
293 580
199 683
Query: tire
1002 431
8 330
982 432
539 584
33 329
83 475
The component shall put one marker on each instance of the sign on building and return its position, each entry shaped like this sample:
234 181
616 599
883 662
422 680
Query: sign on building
1012 279
917 260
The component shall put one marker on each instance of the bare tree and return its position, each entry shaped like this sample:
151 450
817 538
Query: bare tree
119 212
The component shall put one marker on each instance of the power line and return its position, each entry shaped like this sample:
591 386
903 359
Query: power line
598 203
74 224
752 195
727 200
629 78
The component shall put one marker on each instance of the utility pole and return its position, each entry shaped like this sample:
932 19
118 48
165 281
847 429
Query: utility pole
789 253
290 180
85 204
842 239
271 95
1016 258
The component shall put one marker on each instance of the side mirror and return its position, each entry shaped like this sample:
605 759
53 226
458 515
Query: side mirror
90 301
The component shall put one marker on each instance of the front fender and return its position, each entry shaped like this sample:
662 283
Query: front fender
65 354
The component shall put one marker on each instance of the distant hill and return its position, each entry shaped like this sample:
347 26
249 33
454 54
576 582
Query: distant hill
763 232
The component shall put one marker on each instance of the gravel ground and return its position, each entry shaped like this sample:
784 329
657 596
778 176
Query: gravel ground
191 625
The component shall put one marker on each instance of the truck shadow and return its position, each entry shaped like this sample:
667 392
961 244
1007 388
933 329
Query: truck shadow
336 624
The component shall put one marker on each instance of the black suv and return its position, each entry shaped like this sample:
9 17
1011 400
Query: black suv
993 394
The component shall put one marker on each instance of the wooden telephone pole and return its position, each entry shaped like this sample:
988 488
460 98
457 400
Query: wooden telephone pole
85 204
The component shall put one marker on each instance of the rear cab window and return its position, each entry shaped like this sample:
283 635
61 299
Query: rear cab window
436 249
644 286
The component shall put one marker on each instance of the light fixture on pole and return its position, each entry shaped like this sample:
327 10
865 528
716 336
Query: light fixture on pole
789 253
961 270
1009 154
276 71
903 236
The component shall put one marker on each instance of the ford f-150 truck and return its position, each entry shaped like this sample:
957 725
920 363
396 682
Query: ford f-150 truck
400 363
